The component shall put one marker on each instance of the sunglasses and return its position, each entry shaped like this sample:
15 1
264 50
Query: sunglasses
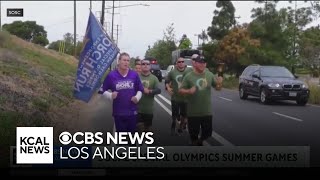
145 64
180 62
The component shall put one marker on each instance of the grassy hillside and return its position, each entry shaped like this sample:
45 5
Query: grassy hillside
35 85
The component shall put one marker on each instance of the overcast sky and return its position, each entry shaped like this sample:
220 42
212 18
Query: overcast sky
139 26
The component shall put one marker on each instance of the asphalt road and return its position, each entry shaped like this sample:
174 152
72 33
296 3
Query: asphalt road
236 122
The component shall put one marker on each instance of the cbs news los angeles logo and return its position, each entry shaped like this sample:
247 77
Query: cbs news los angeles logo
34 145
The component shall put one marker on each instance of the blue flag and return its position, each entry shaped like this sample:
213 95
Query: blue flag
96 56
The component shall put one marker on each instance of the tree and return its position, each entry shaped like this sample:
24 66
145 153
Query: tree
269 27
315 5
54 45
209 50
68 46
43 41
162 49
185 43
79 49
233 46
203 36
29 31
222 20
169 34
68 38
310 47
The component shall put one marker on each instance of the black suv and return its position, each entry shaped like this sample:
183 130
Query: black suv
155 68
272 83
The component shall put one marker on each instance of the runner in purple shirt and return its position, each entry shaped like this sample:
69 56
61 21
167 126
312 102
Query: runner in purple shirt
126 91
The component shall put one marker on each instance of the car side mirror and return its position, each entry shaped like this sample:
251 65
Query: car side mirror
295 76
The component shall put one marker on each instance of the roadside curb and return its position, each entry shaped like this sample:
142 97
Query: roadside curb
314 105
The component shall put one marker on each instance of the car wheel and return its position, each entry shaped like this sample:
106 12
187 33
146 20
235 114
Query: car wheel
242 93
301 102
263 97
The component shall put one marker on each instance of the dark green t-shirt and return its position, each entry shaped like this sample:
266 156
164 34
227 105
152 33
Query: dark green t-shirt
145 104
199 104
175 77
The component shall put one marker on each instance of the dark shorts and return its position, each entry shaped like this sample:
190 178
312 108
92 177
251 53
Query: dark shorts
178 108
146 119
203 122
125 123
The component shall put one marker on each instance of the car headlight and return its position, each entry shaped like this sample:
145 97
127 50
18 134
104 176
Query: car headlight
305 86
274 85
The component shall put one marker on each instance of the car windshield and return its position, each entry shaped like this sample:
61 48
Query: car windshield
155 66
277 72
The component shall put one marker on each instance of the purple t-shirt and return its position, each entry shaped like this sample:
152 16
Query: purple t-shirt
126 87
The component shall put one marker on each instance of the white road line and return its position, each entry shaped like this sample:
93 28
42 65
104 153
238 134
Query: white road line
283 115
165 99
163 106
215 135
225 98
220 139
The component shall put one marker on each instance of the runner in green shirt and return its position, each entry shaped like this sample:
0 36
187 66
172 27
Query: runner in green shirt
178 102
197 86
145 107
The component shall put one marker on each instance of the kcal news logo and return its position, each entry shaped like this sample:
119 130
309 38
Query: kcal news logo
34 145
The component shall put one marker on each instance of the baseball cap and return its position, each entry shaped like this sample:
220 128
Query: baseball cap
197 58
145 61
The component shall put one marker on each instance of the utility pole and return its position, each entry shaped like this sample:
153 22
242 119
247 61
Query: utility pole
294 38
102 12
112 20
75 30
112 24
117 33
198 36
90 5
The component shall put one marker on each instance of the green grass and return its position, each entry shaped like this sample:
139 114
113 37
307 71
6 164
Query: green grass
4 39
303 71
49 78
49 64
14 68
314 94
10 120
41 104
231 82
3 99
55 75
